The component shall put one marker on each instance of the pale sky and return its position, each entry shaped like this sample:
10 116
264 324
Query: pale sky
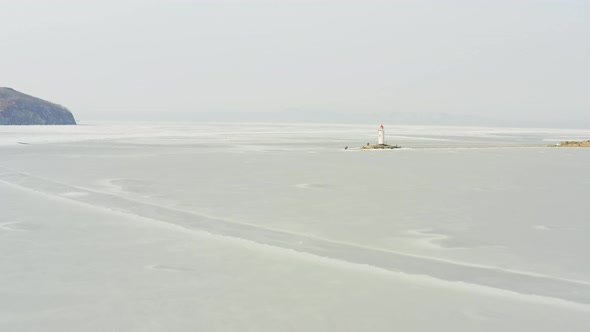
519 62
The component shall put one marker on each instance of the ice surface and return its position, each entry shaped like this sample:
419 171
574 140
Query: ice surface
253 227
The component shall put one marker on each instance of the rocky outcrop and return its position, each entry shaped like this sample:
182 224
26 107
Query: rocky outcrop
574 144
380 147
17 108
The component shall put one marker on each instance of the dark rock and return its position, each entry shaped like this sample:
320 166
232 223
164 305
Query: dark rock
17 108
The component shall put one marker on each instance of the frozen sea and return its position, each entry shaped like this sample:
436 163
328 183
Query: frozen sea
275 227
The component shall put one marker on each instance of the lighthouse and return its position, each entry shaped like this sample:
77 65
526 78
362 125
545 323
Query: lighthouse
380 142
381 135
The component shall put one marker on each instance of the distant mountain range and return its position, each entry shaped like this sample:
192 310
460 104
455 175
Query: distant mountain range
401 118
17 108
292 116
391 118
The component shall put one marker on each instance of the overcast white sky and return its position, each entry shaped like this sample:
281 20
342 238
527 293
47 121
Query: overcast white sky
179 59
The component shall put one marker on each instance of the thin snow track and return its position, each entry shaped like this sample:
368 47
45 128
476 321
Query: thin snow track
546 289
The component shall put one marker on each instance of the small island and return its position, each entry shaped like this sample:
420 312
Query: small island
17 108
573 144
381 145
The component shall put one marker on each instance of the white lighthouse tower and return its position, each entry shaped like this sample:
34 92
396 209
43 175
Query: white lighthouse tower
381 145
381 135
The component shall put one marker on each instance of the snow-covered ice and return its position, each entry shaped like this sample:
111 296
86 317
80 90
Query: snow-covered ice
259 227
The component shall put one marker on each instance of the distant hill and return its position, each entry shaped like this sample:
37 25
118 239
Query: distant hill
17 108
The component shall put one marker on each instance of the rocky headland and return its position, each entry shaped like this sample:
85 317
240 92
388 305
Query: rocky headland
17 108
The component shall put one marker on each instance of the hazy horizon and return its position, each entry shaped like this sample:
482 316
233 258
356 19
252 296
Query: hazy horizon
503 63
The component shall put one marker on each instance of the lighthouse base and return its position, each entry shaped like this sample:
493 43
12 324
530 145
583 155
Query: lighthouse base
380 147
